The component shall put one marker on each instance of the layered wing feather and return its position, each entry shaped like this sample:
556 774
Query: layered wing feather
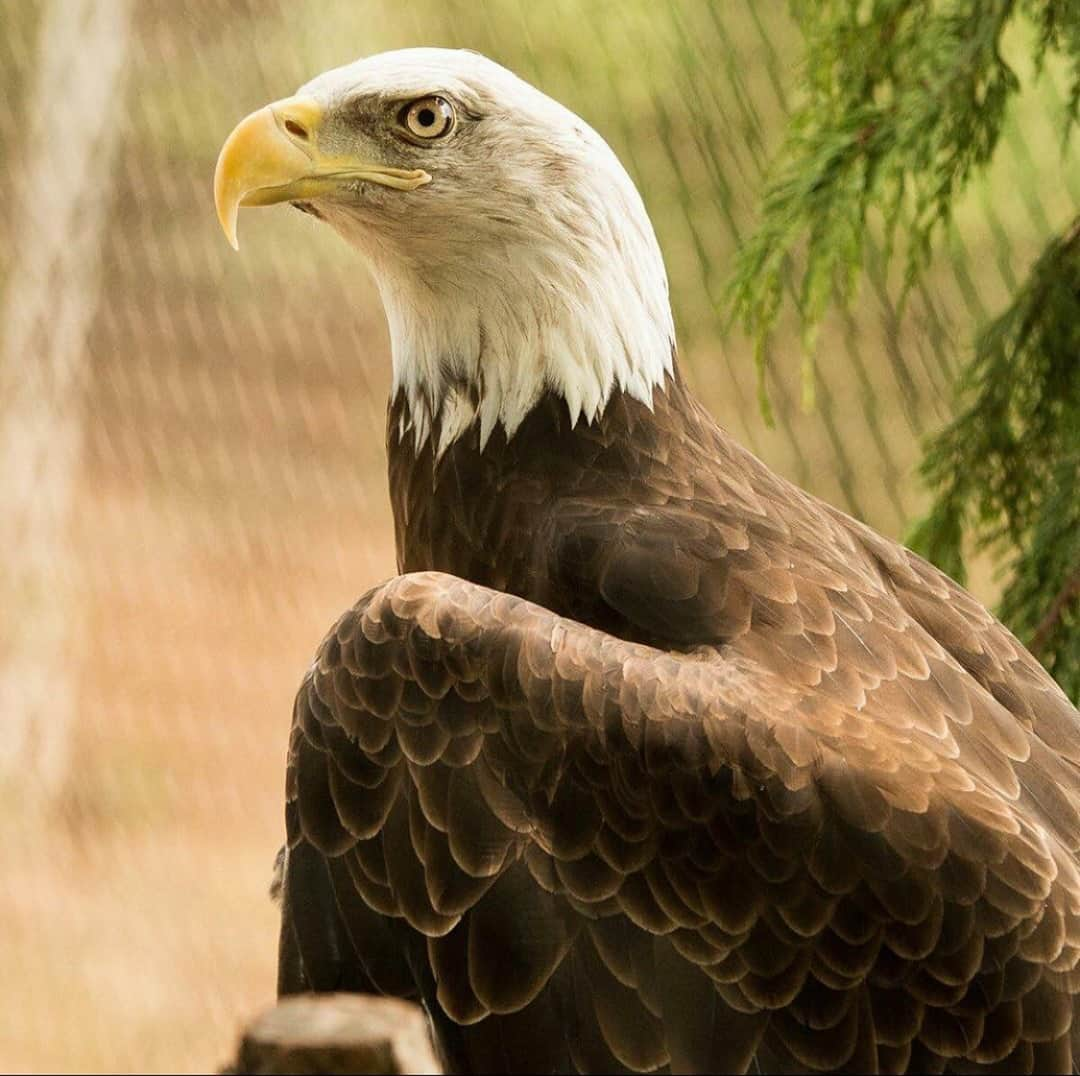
587 853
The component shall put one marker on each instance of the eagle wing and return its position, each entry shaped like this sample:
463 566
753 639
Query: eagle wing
586 853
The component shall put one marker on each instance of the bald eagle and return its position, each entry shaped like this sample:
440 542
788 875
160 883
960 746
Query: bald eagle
647 760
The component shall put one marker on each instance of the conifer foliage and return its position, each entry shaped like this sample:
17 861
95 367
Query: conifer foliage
903 100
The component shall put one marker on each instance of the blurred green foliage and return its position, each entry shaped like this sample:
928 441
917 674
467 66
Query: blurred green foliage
904 102
1007 467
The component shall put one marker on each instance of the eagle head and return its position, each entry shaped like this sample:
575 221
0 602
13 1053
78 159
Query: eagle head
511 249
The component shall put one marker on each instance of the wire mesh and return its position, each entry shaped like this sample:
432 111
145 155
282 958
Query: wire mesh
207 441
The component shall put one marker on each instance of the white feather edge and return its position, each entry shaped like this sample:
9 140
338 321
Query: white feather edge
581 326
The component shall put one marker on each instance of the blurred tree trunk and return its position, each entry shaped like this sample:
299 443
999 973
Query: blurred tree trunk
60 179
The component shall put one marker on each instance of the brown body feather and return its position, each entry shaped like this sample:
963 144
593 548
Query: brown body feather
651 760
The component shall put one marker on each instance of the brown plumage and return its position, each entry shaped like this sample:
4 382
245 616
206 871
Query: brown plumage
648 760
652 759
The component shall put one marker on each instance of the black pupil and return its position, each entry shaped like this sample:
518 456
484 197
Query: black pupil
426 116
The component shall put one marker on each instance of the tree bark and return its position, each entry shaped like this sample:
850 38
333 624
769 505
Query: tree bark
60 175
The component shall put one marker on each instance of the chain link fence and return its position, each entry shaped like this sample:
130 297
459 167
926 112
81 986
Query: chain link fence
192 480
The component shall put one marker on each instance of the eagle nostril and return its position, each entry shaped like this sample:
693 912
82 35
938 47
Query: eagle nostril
297 130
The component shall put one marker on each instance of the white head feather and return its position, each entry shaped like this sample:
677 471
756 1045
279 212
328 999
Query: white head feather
528 263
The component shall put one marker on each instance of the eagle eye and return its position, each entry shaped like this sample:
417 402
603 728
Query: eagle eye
428 118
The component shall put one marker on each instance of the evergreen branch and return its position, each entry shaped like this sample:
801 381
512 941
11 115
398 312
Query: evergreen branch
904 101
1045 628
1058 25
1006 469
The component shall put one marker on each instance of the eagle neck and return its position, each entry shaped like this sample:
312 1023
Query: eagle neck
474 510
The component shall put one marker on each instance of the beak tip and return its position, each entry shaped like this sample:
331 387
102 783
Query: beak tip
227 213
228 226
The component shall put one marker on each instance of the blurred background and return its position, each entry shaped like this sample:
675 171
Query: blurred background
192 470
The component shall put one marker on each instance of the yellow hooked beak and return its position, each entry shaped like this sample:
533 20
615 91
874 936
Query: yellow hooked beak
273 156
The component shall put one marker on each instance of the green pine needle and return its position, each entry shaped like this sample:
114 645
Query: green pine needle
903 102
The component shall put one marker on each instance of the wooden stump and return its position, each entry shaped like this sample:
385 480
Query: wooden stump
337 1033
